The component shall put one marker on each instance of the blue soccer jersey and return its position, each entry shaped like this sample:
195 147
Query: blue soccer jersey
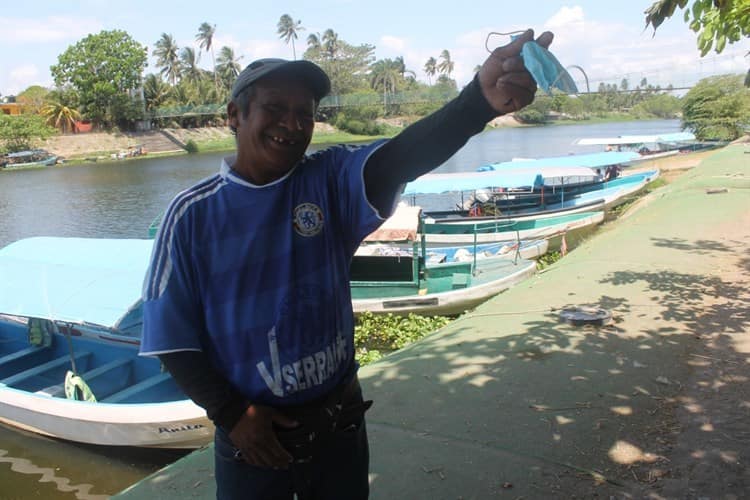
258 276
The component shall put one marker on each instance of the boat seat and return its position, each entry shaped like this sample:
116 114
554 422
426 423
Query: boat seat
58 390
141 386
23 353
44 367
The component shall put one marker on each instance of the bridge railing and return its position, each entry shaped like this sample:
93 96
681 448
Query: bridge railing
331 101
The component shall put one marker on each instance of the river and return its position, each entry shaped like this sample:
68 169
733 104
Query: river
119 200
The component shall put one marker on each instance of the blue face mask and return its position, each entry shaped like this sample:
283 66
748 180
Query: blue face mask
546 69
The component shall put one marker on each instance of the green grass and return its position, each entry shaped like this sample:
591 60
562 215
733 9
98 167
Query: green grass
337 137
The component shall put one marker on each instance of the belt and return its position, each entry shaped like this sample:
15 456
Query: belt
342 409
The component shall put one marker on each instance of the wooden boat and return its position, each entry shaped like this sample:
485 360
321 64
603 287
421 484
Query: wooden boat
601 196
404 284
69 337
650 146
518 185
468 230
27 159
394 270
525 249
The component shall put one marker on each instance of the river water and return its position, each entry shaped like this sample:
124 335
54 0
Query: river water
119 200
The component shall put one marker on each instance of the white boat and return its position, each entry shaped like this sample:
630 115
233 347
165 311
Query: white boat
69 337
648 146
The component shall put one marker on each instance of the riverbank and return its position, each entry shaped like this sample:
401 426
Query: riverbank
106 146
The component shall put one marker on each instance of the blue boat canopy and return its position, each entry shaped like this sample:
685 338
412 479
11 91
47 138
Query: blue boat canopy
468 181
74 280
593 160
523 176
673 137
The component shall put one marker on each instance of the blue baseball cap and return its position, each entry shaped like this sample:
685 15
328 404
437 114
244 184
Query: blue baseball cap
303 71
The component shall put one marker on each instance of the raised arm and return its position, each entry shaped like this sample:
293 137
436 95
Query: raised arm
503 85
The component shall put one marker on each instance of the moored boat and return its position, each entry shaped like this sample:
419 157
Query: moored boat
27 159
69 338
395 271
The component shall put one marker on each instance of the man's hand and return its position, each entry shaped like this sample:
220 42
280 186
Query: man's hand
253 434
505 82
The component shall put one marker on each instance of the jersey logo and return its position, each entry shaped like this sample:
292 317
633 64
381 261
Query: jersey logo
308 219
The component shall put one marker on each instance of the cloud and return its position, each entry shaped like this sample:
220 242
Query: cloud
393 43
611 51
566 17
21 77
21 31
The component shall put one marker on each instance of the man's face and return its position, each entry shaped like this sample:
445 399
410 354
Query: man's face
274 134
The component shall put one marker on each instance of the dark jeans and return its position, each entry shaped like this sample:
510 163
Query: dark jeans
338 471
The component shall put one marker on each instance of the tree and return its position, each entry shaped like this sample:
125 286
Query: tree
32 98
287 30
445 67
60 115
430 69
386 74
155 91
313 41
101 68
189 70
228 66
717 107
167 57
22 132
330 43
347 66
205 37
716 21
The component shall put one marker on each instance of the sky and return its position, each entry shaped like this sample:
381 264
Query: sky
606 39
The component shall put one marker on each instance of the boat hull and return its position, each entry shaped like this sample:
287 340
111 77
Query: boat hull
448 302
505 231
179 424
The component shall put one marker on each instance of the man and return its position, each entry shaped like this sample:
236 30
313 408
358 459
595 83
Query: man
247 300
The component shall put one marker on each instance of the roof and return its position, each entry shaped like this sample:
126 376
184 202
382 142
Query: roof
467 181
593 160
76 280
637 139
403 225
517 174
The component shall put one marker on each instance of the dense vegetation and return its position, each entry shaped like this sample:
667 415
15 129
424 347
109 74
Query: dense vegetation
101 79
377 335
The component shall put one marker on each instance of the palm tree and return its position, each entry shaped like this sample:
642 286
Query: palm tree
445 67
189 69
385 73
228 66
313 41
400 66
155 92
60 115
166 52
205 39
430 68
330 43
287 30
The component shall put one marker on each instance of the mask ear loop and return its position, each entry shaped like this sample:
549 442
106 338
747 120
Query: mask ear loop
487 40
491 33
